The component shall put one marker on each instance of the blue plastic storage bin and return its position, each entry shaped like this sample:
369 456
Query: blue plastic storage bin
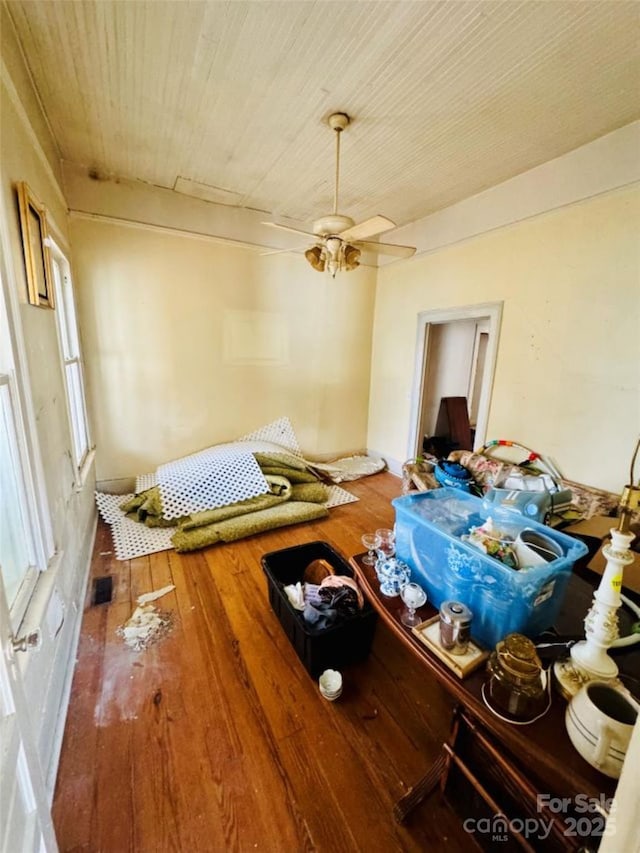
428 530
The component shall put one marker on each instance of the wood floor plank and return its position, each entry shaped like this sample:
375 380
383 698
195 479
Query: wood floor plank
217 739
140 577
72 814
244 764
113 816
160 569
121 581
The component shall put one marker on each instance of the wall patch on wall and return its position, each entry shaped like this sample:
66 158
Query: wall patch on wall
255 338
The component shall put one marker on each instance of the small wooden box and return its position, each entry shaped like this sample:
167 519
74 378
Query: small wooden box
429 633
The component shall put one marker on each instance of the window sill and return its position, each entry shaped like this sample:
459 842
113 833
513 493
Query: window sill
83 473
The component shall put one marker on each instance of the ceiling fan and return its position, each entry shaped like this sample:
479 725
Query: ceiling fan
339 242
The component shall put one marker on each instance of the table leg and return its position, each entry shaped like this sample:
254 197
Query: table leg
422 788
438 772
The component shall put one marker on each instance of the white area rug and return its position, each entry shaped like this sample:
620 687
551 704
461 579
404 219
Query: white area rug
217 476
278 432
145 481
130 538
338 497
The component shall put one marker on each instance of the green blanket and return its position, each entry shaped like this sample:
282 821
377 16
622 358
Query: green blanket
294 495
146 507
284 460
280 491
292 512
291 474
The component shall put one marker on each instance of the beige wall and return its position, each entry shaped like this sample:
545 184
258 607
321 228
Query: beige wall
568 377
189 343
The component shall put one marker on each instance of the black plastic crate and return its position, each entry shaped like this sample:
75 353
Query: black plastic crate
346 642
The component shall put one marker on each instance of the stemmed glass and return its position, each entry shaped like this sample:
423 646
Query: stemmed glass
413 597
387 541
371 542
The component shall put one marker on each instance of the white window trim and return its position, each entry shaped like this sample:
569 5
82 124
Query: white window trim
33 469
29 579
82 465
33 485
83 471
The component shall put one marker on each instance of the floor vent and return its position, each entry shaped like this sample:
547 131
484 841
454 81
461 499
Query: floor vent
102 590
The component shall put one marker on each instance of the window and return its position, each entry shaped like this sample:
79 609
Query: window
71 357
19 556
16 555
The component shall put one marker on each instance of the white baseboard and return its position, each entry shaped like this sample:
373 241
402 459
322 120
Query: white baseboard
121 486
58 734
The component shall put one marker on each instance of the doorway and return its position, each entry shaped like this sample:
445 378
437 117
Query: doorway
456 352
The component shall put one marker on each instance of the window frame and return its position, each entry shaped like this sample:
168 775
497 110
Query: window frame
25 471
10 412
71 361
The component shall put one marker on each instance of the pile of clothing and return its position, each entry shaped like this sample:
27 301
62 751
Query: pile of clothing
334 599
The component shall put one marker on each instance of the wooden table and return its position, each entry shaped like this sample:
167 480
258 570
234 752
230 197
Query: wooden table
540 753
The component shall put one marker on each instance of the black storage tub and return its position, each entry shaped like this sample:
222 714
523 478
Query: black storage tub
346 642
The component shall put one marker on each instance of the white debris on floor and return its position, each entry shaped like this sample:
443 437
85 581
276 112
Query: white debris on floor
147 624
148 597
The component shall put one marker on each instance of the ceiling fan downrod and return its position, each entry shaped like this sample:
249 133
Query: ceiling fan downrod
338 122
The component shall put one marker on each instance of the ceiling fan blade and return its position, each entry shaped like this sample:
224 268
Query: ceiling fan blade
278 252
387 249
368 228
291 230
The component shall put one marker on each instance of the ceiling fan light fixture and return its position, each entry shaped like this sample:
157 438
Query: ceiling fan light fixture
333 265
351 257
315 258
334 245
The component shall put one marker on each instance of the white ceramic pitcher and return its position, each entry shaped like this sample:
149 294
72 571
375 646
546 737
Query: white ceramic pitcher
599 721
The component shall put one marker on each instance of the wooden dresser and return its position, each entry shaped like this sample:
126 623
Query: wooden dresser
525 787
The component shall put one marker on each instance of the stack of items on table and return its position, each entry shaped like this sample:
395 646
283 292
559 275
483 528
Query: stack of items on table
487 473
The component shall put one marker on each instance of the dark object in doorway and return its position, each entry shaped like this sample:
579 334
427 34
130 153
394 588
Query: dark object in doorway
453 429
436 445
102 590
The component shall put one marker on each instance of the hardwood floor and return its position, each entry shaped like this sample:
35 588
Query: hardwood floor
217 739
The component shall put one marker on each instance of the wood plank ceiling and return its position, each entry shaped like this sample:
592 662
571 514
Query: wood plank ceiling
448 98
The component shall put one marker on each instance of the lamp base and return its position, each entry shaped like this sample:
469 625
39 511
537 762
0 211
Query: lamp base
573 672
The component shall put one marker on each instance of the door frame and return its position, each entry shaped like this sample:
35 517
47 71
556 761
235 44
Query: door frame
426 319
23 782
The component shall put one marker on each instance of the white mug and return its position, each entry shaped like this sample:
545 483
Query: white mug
599 721
535 549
